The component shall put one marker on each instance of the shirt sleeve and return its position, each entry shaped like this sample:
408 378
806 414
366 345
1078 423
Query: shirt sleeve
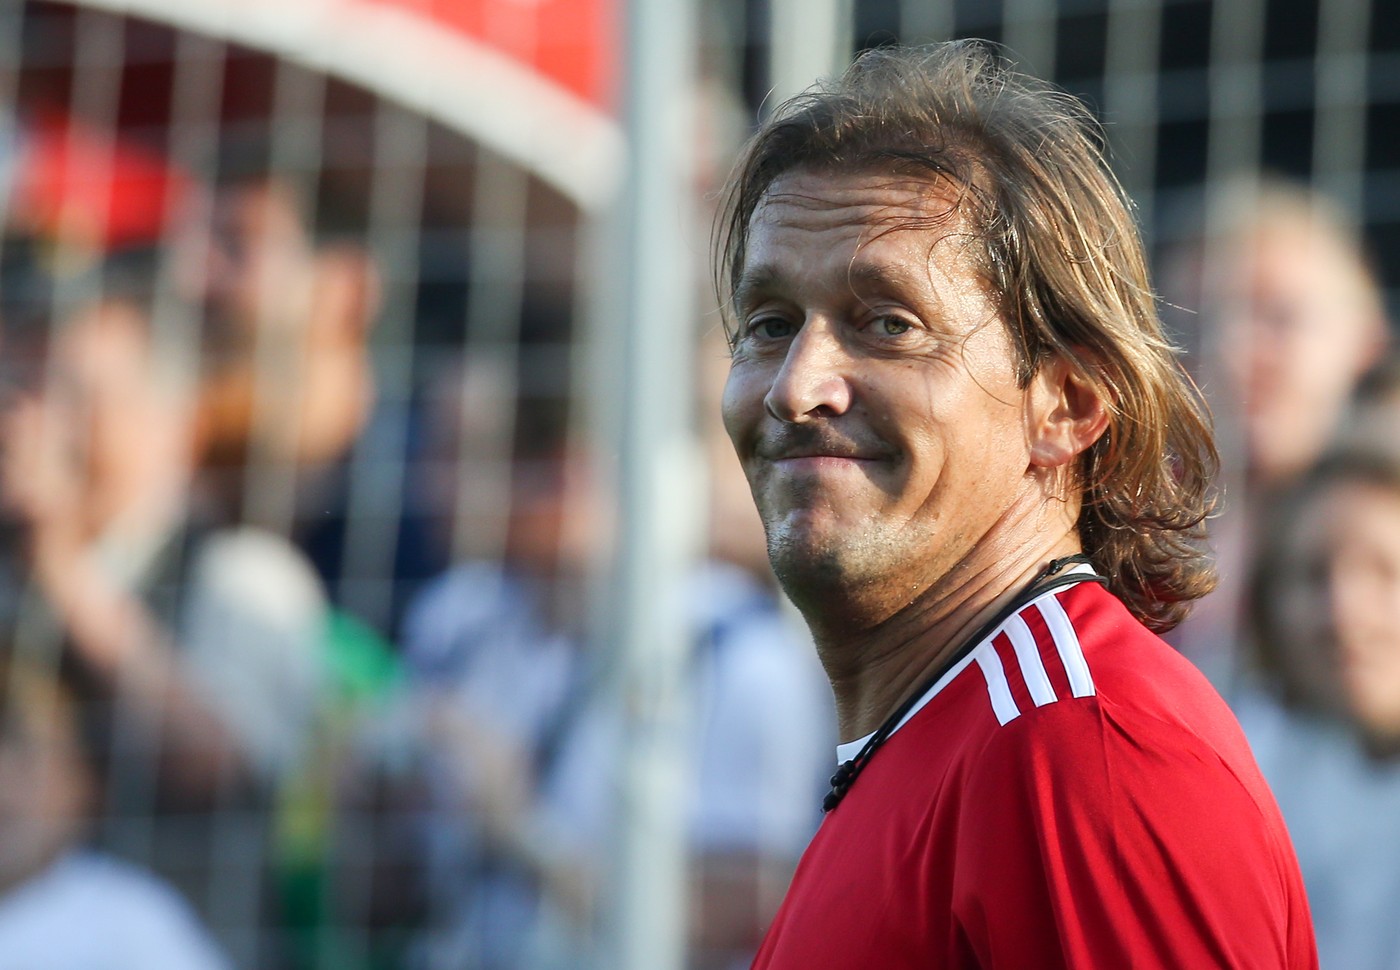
1095 839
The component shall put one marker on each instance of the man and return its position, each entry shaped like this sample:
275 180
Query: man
290 298
983 479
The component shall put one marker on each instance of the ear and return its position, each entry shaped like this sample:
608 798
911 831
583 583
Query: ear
347 295
1066 414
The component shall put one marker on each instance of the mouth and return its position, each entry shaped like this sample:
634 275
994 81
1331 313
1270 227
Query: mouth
788 449
801 454
822 460
817 463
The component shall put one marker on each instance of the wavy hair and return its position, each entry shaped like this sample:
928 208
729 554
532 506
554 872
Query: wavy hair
1061 255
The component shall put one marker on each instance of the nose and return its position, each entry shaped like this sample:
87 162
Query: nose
814 379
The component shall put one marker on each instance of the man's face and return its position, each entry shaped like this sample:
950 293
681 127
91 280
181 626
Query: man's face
872 397
257 260
288 321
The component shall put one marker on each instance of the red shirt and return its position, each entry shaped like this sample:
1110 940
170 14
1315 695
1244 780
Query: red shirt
1073 793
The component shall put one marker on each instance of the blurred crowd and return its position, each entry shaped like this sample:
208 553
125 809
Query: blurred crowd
1283 317
208 758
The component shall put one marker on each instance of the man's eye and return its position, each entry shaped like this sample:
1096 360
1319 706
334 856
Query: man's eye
892 326
771 328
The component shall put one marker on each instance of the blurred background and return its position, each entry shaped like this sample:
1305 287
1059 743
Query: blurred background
377 588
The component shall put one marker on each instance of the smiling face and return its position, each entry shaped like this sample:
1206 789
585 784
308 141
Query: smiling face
873 398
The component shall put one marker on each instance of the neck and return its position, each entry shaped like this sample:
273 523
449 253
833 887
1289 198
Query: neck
876 668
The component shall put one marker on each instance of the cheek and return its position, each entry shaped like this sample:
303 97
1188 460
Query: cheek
964 469
741 405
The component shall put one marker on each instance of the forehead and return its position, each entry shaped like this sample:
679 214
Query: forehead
863 227
862 202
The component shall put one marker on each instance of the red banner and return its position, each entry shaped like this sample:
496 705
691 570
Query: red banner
573 43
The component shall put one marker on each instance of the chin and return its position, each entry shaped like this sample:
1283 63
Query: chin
812 567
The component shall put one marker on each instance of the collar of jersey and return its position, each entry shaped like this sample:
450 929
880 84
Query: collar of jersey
849 749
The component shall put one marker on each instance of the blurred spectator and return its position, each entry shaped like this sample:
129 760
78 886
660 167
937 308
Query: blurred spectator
290 294
1324 721
1289 316
526 751
495 648
1288 299
194 651
758 752
63 907
290 301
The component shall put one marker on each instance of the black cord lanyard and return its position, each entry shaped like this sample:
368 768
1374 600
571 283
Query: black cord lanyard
1046 582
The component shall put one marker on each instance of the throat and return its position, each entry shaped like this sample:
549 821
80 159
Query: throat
876 670
872 673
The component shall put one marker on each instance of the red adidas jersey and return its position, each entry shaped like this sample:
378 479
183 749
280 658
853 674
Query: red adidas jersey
1073 793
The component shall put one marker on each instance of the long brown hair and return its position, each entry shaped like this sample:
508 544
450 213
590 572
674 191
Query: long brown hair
1061 255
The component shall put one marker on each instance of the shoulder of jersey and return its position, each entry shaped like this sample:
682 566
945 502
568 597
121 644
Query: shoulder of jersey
1033 660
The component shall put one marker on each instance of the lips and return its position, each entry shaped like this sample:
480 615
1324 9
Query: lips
814 455
791 444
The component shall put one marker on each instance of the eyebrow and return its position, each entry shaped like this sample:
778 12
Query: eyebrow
752 282
871 275
879 276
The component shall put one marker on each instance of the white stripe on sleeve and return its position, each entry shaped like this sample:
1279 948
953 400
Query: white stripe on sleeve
1081 683
1003 704
1028 655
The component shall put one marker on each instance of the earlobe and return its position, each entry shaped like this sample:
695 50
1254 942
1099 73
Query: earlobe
1067 415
